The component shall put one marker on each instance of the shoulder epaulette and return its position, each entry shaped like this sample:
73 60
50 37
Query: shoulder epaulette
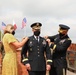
68 39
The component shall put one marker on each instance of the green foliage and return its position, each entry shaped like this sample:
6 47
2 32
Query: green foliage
1 35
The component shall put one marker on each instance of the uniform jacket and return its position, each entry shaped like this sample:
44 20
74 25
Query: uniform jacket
36 54
58 49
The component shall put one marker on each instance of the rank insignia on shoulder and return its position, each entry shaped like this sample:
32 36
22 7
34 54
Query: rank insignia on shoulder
44 42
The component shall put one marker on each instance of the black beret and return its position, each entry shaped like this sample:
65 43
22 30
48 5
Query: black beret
36 25
62 26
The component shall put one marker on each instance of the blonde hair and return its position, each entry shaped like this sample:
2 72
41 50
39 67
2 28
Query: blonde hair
8 28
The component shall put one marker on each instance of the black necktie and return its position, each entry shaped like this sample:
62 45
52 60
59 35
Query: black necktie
37 38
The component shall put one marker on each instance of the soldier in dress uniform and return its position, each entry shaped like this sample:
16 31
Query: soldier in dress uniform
58 46
34 52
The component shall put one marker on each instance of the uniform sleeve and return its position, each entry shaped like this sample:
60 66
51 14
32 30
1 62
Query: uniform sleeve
11 38
52 37
61 47
24 57
48 55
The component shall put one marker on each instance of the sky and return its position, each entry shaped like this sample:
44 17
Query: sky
50 13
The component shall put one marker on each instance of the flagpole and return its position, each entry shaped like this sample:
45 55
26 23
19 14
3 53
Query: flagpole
25 32
25 27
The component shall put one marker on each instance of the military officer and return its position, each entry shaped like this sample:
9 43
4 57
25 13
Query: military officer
36 53
58 45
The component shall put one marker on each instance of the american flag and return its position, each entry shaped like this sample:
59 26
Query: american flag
3 25
23 23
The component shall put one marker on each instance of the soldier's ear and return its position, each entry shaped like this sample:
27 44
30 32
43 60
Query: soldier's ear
32 29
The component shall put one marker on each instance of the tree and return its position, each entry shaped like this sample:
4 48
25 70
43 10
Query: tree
1 35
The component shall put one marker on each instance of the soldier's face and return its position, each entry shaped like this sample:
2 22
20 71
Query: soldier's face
62 31
36 32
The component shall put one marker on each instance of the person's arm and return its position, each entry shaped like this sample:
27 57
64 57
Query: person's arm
61 47
48 58
24 56
17 44
24 51
51 37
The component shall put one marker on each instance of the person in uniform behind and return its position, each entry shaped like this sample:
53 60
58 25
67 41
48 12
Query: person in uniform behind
37 48
10 43
58 46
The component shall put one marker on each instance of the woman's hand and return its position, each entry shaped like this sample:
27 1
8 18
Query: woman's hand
26 38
